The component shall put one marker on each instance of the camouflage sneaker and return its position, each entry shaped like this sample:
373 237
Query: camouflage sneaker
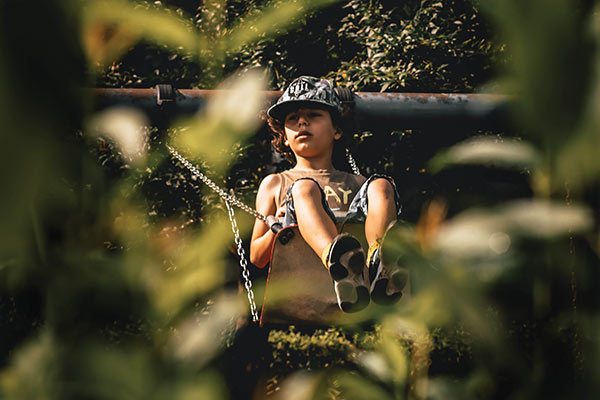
386 275
346 263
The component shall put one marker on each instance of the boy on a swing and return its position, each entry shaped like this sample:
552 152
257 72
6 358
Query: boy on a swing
306 122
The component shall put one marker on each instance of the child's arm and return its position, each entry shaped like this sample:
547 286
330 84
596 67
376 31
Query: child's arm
262 236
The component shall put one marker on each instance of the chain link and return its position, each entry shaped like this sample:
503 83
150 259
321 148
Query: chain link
224 195
243 262
352 162
229 198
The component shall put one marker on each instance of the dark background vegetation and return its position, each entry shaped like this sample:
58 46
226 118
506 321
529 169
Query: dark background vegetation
78 323
366 46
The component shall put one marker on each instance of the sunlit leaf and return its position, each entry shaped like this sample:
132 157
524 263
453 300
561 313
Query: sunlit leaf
32 373
489 151
207 385
229 117
197 268
490 232
375 364
104 44
127 127
578 161
355 387
300 386
200 337
133 22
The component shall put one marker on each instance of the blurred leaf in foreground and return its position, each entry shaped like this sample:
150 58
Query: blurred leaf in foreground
578 162
200 337
126 127
489 151
228 118
32 373
490 232
111 27
277 18
551 56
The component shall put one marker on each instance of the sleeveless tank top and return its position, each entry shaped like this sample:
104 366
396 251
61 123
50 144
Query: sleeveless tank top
339 187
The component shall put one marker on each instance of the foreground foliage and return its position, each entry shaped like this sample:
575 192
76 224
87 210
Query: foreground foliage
115 270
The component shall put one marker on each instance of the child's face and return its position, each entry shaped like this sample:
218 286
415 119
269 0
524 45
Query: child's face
310 132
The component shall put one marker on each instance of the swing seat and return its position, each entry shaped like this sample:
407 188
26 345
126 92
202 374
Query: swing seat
299 288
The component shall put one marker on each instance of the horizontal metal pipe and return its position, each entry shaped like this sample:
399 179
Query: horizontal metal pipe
394 110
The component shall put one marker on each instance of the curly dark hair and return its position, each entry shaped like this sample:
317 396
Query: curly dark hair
341 121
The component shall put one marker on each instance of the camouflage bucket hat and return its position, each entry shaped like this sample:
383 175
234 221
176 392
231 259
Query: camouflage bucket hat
309 90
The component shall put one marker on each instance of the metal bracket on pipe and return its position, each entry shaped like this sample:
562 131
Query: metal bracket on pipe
166 93
346 95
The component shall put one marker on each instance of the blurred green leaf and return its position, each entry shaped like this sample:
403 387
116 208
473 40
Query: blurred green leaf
199 338
127 127
197 268
353 386
229 117
132 22
277 18
551 54
578 163
32 373
489 151
300 386
490 232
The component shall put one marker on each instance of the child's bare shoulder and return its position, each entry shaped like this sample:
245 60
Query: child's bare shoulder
268 188
266 197
270 182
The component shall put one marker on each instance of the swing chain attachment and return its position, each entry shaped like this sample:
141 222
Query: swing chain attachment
243 263
352 163
208 182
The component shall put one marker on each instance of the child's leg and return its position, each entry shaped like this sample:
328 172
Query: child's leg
342 254
378 200
382 209
315 225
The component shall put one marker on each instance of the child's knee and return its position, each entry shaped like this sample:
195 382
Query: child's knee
305 188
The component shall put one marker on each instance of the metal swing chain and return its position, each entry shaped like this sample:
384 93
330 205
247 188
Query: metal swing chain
229 198
352 163
243 263
224 195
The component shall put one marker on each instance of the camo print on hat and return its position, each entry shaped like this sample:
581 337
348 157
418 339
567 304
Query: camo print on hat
306 89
